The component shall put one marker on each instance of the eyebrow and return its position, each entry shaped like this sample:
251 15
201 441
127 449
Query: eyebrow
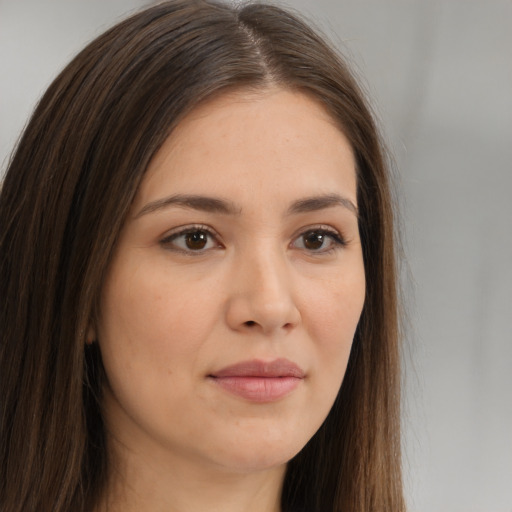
312 204
216 205
194 202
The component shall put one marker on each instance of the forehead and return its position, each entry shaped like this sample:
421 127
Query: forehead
252 141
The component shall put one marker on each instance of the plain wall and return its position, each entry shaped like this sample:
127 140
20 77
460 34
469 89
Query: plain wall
440 73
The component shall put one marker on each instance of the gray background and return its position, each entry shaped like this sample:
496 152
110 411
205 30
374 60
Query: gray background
440 74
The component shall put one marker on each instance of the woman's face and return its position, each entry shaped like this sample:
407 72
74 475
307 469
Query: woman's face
229 310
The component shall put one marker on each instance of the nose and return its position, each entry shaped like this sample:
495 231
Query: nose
262 295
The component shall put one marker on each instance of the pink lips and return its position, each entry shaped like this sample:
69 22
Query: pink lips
260 381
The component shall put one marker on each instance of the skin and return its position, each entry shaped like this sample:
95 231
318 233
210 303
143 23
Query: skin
172 316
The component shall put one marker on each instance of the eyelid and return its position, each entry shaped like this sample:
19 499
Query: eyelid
336 235
320 227
167 239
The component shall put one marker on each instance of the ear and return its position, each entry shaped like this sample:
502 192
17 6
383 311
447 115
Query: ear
91 335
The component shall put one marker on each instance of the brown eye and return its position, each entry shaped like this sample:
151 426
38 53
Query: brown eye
313 240
319 241
196 240
191 240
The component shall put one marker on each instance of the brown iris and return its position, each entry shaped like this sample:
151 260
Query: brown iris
314 240
196 240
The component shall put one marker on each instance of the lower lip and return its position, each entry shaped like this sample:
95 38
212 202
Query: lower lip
259 389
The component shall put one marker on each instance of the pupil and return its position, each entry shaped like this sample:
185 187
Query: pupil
314 240
196 240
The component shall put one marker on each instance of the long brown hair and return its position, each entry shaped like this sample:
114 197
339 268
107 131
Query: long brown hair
65 197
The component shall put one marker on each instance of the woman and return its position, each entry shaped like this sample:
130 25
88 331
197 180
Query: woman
199 278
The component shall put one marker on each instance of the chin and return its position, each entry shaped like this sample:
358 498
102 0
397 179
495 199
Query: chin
261 450
258 460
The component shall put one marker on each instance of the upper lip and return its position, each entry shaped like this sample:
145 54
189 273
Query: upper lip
258 368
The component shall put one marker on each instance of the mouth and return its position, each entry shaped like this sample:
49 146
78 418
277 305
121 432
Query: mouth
260 381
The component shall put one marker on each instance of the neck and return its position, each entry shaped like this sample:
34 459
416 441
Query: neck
140 481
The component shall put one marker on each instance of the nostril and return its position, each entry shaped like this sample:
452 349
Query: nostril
250 323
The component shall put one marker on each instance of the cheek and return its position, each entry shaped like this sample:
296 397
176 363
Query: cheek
335 308
151 333
333 314
151 313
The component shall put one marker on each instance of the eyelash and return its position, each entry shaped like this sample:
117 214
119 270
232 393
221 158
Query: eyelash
336 238
190 230
338 241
